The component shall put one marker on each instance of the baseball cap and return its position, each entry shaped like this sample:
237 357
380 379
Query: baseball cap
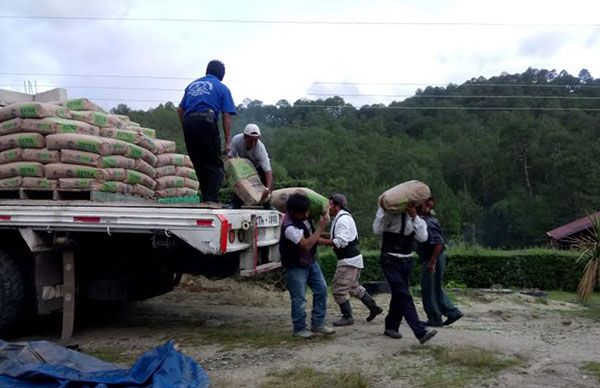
341 200
252 130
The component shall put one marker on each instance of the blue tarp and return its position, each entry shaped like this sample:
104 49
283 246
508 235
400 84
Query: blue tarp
42 364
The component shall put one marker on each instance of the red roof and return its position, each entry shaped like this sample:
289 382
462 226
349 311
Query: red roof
573 227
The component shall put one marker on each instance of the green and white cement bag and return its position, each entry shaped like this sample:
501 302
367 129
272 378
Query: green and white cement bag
62 170
173 160
32 169
318 204
33 110
243 179
41 155
12 155
52 125
395 199
22 140
39 183
11 126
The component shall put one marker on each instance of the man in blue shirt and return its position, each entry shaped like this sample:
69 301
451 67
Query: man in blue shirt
204 99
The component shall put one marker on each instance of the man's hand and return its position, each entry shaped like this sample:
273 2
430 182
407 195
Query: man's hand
227 148
265 194
431 266
411 209
323 222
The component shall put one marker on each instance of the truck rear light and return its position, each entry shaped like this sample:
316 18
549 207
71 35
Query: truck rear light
224 232
204 222
4 217
231 236
91 220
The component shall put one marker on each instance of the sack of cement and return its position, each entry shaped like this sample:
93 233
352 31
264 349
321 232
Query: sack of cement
136 152
11 126
95 144
175 192
174 160
191 184
165 171
318 204
41 155
142 166
11 183
98 119
39 183
77 183
51 125
113 174
33 169
22 140
81 104
62 170
33 110
79 157
146 131
12 155
117 161
169 181
128 136
395 199
165 146
114 187
186 172
243 179
142 191
135 177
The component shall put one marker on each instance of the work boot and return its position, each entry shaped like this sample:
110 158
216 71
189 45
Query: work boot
374 310
453 318
346 319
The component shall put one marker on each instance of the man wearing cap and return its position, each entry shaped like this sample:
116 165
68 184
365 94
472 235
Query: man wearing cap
248 145
204 99
344 240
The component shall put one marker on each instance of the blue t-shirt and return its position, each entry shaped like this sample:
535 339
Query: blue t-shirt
207 93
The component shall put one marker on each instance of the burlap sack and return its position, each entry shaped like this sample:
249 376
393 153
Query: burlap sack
165 146
165 171
117 161
395 199
128 136
41 155
136 152
77 183
143 166
79 157
318 204
33 110
169 181
114 187
11 126
135 177
146 131
33 169
243 179
81 104
22 140
114 174
95 144
186 172
12 155
175 192
142 191
11 183
174 159
63 170
39 183
50 125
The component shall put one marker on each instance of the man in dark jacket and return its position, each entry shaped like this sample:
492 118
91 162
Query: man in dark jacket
298 249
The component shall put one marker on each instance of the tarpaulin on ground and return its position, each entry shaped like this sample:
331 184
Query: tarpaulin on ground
44 364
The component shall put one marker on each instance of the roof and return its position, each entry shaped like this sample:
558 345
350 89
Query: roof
573 227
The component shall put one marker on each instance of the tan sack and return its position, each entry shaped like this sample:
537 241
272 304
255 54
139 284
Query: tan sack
165 146
77 183
146 131
136 152
243 179
318 204
11 183
79 157
395 199
143 166
114 187
11 126
12 155
63 170
39 183
50 125
114 174
33 169
169 181
135 177
33 110
166 171
22 140
174 160
142 191
175 192
81 104
186 172
41 155
133 137
115 161
88 143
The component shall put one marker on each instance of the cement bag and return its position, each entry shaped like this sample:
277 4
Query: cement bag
116 161
132 137
135 177
244 181
165 171
142 166
33 169
77 183
146 131
79 157
116 121
166 182
51 125
41 155
174 160
191 184
186 172
39 183
318 204
62 170
132 124
11 183
12 155
81 104
22 140
136 152
114 187
395 199
142 191
11 126
99 119
33 110
175 192
113 174
165 146
88 143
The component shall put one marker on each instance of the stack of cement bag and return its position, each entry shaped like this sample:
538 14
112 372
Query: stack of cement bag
51 147
318 204
398 197
244 181
175 176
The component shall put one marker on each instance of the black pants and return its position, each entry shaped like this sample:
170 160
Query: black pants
397 272
236 202
203 145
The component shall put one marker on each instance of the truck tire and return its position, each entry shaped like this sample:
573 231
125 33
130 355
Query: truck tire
12 293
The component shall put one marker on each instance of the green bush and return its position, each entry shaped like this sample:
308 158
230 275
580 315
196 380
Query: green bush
545 269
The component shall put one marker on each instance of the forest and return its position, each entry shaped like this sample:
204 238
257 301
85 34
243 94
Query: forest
507 158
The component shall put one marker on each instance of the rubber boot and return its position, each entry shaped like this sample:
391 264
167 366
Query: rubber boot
346 318
374 310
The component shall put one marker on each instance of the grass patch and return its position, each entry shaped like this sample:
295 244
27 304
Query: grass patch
305 377
591 308
111 355
592 367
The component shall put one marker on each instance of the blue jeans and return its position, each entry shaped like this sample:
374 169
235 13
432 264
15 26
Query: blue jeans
297 279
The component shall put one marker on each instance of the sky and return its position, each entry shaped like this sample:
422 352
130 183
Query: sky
368 52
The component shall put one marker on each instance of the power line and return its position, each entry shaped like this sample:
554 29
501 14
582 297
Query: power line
100 75
314 22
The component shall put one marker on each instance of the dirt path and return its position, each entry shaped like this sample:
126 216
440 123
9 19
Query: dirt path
240 334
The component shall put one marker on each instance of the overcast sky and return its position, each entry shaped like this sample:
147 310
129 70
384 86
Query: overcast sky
364 46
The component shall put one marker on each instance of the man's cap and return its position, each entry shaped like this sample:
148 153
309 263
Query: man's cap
341 200
252 130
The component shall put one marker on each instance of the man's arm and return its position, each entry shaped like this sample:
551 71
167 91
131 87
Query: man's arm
379 222
437 251
180 113
308 243
227 131
420 229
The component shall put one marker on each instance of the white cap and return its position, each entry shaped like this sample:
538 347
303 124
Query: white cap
252 130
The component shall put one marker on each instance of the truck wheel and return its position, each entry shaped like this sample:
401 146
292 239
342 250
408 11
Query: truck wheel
12 293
